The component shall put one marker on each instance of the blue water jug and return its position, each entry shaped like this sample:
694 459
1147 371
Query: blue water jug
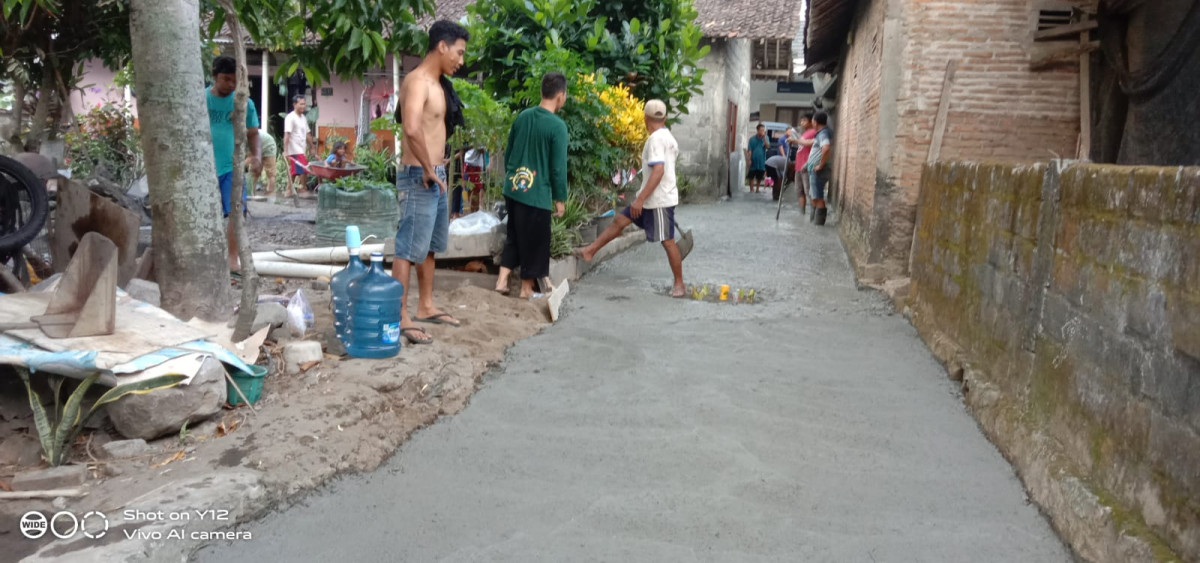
374 320
340 284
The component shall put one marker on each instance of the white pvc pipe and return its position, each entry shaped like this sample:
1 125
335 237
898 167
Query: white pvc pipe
327 255
294 270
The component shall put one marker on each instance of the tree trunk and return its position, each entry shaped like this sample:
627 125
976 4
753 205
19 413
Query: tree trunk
248 306
189 241
41 113
10 133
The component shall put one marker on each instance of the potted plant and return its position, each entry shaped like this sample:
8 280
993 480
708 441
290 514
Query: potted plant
366 199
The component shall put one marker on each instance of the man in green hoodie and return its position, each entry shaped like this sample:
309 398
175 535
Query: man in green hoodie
535 165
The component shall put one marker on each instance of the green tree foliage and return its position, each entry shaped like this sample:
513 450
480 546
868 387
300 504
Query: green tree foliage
652 46
326 38
43 44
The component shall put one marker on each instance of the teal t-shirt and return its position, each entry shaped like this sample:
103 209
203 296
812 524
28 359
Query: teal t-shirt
219 110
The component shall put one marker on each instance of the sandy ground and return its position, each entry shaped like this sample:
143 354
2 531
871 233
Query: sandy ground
342 416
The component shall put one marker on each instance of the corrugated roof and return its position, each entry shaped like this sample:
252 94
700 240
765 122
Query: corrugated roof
825 29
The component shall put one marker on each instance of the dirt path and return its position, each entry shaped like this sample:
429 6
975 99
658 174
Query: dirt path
342 416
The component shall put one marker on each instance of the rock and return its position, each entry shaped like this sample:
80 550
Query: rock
145 291
97 420
164 411
296 354
281 335
269 314
41 166
125 448
61 477
20 449
319 285
59 502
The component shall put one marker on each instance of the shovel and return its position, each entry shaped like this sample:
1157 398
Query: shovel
85 301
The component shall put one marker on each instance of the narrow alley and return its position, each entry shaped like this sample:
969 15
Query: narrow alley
811 426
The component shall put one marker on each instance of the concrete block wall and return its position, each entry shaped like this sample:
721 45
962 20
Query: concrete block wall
1072 303
737 89
701 132
998 110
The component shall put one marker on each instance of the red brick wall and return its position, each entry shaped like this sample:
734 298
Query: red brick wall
999 110
857 132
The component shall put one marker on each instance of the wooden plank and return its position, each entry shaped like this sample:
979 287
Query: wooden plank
1065 31
1064 57
939 124
1085 101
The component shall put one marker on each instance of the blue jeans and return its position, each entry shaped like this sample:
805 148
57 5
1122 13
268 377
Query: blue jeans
818 181
424 215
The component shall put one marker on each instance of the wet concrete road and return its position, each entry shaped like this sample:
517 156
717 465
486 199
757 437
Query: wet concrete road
813 427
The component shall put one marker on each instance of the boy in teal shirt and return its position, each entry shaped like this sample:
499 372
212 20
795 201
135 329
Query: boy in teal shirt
535 175
220 109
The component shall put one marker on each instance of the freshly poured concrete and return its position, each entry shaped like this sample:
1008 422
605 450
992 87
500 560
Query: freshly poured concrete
812 427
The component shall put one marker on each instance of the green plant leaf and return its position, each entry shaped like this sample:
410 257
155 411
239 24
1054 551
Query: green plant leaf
45 428
139 388
71 422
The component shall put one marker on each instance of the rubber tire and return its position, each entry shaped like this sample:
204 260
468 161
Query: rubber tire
37 198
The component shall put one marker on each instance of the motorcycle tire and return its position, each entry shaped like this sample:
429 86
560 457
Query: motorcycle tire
20 220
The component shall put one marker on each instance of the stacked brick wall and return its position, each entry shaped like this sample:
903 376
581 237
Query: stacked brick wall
857 132
1073 300
999 110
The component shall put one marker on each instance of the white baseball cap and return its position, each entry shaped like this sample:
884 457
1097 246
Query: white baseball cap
656 109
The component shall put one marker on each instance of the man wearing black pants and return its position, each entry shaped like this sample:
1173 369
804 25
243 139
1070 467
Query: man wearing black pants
535 175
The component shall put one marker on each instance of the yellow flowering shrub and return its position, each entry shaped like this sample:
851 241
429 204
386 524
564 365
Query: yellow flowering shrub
625 117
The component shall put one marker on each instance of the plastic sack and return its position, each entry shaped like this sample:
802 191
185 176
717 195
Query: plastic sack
479 222
300 314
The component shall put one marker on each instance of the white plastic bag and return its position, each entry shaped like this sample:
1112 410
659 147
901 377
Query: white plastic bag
300 314
479 222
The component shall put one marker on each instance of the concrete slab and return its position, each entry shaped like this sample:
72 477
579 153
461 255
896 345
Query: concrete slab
814 427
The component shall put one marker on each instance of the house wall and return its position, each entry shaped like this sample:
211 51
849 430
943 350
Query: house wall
1068 304
889 96
701 133
763 92
737 90
98 89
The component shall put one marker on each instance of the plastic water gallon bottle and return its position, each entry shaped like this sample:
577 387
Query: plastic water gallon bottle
340 283
374 319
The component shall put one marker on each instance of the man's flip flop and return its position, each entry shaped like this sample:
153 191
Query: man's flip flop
414 340
438 319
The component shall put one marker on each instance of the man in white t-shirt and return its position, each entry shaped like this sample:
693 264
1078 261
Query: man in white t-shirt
295 144
654 207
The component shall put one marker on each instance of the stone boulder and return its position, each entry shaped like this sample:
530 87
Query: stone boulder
164 411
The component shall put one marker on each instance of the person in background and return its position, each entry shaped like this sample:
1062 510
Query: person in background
535 161
296 142
269 153
220 122
338 158
804 143
818 166
477 161
783 146
756 157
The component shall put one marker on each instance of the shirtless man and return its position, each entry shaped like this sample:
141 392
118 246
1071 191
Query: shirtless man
421 178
